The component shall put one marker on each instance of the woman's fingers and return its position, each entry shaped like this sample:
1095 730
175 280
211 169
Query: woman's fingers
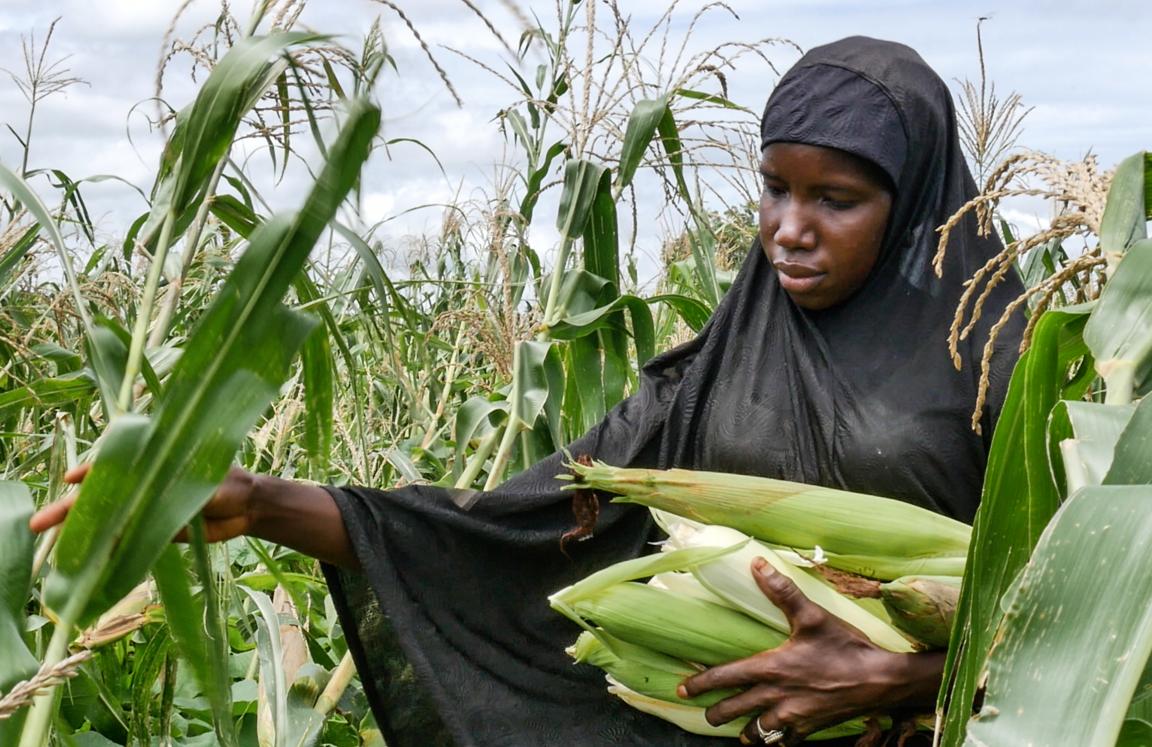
51 515
78 473
55 513
753 700
741 673
802 613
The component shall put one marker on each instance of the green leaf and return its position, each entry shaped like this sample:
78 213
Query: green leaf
711 98
10 259
16 661
536 179
1132 456
319 374
1126 211
204 135
108 356
271 654
694 313
473 420
532 380
136 499
47 393
1019 498
147 665
674 149
585 376
1135 733
1076 634
184 613
1087 434
1120 330
604 317
234 214
581 183
637 136
601 240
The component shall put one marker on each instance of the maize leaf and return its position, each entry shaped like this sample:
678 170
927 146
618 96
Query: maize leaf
233 365
16 661
1076 634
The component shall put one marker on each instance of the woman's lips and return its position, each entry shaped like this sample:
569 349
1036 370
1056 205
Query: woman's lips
797 278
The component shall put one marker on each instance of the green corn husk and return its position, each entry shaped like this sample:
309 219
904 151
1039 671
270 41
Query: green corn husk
691 629
730 576
791 514
891 567
923 607
688 717
684 583
641 669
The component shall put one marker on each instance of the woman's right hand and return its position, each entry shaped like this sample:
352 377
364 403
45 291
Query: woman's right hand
228 513
303 517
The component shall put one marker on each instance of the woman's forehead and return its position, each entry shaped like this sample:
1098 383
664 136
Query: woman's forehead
786 159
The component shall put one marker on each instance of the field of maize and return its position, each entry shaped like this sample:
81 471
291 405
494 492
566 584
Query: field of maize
218 331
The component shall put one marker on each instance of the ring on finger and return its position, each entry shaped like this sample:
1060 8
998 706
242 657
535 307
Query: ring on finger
769 736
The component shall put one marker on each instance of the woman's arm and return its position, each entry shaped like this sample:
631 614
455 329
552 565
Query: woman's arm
827 672
303 517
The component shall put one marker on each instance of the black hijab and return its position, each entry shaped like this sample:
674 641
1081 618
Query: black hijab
448 622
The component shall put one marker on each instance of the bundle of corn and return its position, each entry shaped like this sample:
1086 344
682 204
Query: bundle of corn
702 607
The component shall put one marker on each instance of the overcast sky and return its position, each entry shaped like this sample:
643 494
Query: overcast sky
1084 67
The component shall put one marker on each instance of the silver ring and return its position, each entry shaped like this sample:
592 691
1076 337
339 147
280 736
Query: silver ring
770 736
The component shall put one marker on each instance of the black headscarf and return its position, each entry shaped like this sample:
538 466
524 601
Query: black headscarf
448 621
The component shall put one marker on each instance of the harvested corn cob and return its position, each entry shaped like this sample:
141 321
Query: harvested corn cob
889 537
923 607
677 625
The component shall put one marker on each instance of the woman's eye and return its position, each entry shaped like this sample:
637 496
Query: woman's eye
838 204
774 191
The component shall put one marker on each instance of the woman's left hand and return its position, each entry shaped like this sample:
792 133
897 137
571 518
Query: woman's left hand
827 672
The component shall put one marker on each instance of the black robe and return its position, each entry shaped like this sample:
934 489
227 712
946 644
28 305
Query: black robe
449 623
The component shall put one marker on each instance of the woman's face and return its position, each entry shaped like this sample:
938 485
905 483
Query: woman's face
822 217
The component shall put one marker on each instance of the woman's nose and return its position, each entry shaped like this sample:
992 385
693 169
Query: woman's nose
793 228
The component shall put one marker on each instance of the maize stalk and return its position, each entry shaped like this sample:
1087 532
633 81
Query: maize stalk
923 607
843 523
673 624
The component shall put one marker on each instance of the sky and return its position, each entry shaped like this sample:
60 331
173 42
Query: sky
1083 68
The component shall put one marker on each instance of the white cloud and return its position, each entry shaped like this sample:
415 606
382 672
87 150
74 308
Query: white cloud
1085 73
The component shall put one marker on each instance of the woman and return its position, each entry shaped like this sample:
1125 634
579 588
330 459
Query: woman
825 363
